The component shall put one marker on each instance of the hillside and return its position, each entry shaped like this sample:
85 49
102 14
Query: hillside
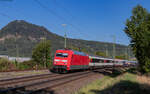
19 37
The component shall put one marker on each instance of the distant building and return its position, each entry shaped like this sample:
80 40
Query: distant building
19 59
4 56
134 59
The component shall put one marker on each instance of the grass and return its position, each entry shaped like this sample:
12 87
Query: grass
127 83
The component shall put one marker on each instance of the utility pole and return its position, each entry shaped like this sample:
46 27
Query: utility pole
65 36
114 50
106 50
44 40
129 52
17 52
114 46
126 53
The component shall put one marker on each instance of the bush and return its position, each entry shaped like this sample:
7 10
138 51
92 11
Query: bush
27 65
50 64
5 64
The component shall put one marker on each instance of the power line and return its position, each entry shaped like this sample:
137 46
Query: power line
5 15
49 10
64 8
70 14
27 16
58 16
16 9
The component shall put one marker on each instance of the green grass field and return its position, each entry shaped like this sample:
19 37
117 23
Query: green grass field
126 83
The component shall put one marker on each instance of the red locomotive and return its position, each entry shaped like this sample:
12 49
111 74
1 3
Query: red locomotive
66 60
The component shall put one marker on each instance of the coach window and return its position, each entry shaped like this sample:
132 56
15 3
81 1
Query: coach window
95 60
101 61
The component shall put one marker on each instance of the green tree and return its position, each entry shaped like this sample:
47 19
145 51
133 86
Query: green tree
121 57
99 53
79 49
83 50
41 53
138 30
74 48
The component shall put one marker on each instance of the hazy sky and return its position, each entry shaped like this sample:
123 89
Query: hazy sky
96 20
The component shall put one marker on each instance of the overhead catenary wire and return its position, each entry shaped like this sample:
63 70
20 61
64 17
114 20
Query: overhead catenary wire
54 13
64 8
22 14
72 17
5 15
67 11
49 10
61 18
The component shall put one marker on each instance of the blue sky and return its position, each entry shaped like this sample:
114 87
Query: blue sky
96 20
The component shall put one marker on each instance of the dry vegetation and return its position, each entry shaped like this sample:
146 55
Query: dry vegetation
144 80
127 83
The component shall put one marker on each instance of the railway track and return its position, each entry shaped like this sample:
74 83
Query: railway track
16 78
34 84
42 83
60 83
17 81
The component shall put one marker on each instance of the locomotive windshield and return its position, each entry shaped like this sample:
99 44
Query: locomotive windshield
61 54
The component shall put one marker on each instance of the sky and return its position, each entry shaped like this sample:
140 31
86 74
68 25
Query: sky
96 20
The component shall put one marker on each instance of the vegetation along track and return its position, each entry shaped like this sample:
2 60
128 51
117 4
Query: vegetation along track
30 85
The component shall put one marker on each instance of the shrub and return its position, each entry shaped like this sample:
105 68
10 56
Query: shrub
27 65
5 64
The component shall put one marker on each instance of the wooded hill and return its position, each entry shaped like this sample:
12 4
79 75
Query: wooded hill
19 37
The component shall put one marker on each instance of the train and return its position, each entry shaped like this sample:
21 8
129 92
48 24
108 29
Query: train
66 60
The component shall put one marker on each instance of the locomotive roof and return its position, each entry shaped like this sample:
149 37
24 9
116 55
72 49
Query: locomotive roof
76 52
97 57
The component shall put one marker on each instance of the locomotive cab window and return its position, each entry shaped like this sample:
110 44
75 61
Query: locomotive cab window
62 55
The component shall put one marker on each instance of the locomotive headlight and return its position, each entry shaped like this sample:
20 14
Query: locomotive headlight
56 60
64 60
